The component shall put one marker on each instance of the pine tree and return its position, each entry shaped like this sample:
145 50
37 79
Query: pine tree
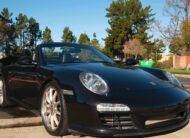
47 35
6 14
21 28
95 42
127 20
68 36
34 31
84 39
7 32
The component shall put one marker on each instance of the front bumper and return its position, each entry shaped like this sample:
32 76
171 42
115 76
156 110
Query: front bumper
99 132
122 124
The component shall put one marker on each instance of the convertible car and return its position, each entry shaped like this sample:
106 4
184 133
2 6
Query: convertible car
77 89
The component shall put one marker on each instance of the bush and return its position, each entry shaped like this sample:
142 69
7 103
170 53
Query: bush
157 65
164 65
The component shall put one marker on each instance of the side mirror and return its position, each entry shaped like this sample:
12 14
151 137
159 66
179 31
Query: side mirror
117 60
26 61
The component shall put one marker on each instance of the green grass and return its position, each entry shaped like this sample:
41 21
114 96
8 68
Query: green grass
178 71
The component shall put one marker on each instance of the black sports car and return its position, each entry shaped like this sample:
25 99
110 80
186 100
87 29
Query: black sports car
77 89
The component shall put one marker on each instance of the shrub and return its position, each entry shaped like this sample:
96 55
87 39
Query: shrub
157 65
165 64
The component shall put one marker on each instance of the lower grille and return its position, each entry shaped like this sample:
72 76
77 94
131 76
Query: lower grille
167 120
117 121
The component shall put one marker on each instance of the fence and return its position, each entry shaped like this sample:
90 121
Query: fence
181 62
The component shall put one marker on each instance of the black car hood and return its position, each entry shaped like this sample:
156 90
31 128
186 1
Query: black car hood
129 85
116 76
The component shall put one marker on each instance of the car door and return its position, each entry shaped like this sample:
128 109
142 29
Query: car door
24 82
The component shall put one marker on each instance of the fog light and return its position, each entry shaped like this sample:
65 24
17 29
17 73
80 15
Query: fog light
107 107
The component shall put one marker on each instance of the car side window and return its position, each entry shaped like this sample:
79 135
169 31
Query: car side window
52 55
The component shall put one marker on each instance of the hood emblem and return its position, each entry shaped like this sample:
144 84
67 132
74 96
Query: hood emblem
153 83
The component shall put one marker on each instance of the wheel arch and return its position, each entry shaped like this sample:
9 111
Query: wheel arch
41 89
58 83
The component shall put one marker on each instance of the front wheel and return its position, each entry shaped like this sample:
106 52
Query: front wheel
3 95
53 110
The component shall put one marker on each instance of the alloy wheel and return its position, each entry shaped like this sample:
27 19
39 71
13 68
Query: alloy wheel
51 108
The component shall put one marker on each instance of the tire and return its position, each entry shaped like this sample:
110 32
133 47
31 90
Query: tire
54 110
4 102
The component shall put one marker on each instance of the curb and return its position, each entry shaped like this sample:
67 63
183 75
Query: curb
182 75
20 122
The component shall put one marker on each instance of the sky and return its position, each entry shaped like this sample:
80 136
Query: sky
81 16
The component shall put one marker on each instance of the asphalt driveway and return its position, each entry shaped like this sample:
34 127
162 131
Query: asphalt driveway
39 132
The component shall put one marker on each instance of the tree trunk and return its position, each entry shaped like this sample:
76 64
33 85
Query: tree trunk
187 10
156 54
184 51
136 56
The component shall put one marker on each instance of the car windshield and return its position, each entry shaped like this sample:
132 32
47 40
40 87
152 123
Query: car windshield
60 54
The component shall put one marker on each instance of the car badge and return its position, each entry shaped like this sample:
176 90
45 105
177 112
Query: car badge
152 83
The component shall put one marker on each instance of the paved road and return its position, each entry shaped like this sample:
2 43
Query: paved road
39 131
15 112
186 82
183 133
26 132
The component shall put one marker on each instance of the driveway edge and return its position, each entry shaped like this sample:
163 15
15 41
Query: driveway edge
182 75
20 122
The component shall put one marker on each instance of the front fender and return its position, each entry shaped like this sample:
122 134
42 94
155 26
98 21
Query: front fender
161 74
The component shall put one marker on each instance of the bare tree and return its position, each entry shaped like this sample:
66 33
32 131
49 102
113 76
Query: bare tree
134 47
178 12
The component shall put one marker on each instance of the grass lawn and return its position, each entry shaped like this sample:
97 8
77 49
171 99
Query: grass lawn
178 71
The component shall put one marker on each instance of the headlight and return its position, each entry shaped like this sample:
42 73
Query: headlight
94 83
173 79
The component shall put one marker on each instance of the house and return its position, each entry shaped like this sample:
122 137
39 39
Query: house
165 57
